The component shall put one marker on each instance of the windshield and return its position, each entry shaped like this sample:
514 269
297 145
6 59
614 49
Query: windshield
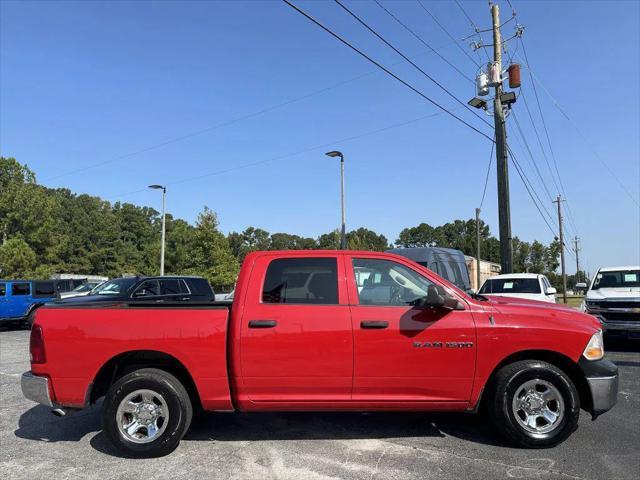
114 287
85 287
617 279
511 285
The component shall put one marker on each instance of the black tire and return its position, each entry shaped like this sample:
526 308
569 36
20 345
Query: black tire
180 412
509 381
28 323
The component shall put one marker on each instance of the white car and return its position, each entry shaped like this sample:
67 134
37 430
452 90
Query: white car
81 290
614 298
532 286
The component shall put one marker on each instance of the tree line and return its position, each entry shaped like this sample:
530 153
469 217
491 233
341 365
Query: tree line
45 231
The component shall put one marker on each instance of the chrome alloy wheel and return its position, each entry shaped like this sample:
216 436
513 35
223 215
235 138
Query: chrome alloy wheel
142 416
538 406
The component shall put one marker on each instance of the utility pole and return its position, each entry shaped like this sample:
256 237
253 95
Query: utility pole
504 209
477 249
162 241
343 230
576 249
564 272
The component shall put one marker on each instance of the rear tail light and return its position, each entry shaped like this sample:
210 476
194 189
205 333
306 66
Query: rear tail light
36 345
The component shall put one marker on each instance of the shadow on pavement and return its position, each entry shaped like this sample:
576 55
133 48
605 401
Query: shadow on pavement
11 326
40 425
337 426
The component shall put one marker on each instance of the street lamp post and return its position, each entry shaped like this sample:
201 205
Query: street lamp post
343 233
164 194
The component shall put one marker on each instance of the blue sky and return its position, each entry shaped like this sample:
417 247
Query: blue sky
98 83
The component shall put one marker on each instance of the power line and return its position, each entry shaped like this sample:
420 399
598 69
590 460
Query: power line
486 179
385 69
529 185
535 165
285 156
542 149
526 186
442 87
210 128
533 162
546 131
477 31
530 189
448 34
582 135
421 40
464 12
223 124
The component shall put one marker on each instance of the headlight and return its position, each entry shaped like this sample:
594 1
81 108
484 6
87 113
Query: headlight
595 348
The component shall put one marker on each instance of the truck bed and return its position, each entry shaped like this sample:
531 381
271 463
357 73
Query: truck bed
81 339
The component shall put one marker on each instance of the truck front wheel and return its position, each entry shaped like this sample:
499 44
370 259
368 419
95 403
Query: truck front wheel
535 404
146 413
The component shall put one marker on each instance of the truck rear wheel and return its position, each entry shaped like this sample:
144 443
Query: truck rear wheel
146 413
535 404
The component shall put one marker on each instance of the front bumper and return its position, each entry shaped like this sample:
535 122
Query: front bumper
36 388
602 379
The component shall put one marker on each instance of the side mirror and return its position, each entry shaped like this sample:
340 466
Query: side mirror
437 297
550 291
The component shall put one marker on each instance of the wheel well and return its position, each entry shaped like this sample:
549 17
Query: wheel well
559 360
33 307
127 362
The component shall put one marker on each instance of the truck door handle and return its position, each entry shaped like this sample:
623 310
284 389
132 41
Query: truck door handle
262 323
374 324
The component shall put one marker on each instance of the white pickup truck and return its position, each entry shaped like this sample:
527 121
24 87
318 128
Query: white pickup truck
614 298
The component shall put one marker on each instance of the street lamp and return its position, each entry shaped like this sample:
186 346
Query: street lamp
476 102
164 194
343 233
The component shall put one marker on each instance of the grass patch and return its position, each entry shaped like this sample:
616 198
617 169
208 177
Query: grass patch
572 300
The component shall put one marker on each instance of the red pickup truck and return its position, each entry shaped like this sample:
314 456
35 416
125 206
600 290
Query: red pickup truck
322 330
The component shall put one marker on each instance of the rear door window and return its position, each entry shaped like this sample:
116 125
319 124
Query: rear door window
148 288
44 289
20 289
3 289
171 286
301 280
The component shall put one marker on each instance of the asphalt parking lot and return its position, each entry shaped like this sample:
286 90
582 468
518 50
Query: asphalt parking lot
34 444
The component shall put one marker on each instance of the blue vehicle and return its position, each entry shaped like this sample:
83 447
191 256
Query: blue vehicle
19 298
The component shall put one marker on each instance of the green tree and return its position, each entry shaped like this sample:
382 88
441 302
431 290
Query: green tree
552 256
287 241
211 255
365 239
424 235
329 241
17 259
250 240
521 255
